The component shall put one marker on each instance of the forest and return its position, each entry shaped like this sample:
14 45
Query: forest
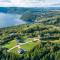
39 40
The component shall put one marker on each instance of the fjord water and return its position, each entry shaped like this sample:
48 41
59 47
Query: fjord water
7 20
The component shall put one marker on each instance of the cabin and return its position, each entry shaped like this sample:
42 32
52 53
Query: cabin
21 51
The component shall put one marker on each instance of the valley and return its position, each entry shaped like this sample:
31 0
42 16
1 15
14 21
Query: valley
37 40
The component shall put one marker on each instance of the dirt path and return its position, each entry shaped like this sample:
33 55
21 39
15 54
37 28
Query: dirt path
13 48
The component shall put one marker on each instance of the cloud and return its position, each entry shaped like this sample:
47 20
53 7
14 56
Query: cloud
4 0
29 3
56 4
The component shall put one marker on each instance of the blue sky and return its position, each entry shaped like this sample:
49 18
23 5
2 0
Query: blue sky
30 3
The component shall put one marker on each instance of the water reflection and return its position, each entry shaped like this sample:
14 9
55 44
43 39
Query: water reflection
10 20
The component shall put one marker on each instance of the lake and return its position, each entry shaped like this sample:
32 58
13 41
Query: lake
7 20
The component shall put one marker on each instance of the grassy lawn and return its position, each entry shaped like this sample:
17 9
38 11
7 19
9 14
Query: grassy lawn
10 44
29 46
26 47
15 50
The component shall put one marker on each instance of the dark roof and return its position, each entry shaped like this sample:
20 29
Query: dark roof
21 51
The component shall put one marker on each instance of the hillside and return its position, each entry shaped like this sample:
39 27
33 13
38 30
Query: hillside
20 10
45 17
39 40
45 46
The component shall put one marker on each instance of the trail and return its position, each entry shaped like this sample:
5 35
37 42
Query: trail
13 48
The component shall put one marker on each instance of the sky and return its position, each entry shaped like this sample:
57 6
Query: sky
29 3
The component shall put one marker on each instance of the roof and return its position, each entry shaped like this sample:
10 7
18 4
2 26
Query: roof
21 51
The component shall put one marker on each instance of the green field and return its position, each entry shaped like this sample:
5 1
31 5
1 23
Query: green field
29 46
10 44
26 47
15 50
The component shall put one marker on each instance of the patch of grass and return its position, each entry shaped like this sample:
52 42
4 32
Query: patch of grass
15 51
26 47
29 46
10 44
